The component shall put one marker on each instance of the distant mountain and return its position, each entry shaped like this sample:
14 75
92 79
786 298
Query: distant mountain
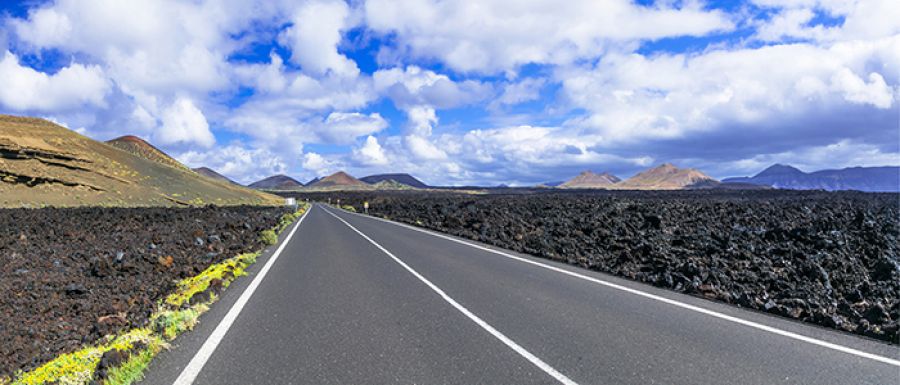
391 184
276 182
139 147
552 184
588 179
406 179
853 178
666 177
42 163
212 174
339 179
313 180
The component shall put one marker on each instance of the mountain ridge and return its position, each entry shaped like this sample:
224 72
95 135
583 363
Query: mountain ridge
589 179
276 182
870 179
45 164
666 177
402 178
213 174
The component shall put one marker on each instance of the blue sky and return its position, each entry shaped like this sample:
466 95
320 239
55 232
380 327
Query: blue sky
466 92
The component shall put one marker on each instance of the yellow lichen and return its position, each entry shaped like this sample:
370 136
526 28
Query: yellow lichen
170 320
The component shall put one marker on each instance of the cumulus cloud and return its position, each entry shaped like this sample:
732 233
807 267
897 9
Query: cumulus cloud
421 120
525 90
184 123
370 153
241 164
318 164
157 46
345 127
869 19
495 36
315 35
26 89
531 89
634 97
416 86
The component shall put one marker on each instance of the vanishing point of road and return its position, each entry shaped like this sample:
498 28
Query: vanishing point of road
350 299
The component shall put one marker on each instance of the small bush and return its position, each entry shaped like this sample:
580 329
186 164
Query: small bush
349 208
268 237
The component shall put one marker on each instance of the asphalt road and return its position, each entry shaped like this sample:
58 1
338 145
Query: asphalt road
356 300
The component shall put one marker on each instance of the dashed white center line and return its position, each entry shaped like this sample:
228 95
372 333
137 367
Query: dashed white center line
698 309
462 309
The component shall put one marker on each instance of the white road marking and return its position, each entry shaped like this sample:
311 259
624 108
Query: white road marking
190 372
484 325
755 325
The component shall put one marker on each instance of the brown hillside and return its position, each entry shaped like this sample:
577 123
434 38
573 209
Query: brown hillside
666 177
588 179
339 179
213 174
42 163
139 147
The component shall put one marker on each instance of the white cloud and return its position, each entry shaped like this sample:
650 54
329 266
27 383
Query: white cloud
345 127
24 89
318 164
862 19
47 27
184 123
371 153
315 35
420 148
173 69
416 86
289 103
496 35
244 165
525 90
421 120
876 92
633 97
150 46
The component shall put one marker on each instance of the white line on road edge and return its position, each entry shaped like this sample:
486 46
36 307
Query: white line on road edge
484 325
193 368
755 325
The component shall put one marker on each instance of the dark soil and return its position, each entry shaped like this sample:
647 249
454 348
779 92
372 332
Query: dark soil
70 276
825 258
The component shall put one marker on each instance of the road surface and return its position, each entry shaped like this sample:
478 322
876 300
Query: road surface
349 299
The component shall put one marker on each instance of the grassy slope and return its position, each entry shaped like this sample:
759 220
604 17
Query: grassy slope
138 147
46 164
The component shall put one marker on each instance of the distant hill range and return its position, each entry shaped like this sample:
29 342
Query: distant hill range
589 179
404 179
663 177
666 177
339 179
212 174
872 179
44 164
276 182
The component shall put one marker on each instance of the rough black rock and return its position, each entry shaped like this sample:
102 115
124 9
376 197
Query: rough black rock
62 271
829 258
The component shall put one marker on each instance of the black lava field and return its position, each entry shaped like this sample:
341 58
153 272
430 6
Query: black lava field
70 276
825 258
